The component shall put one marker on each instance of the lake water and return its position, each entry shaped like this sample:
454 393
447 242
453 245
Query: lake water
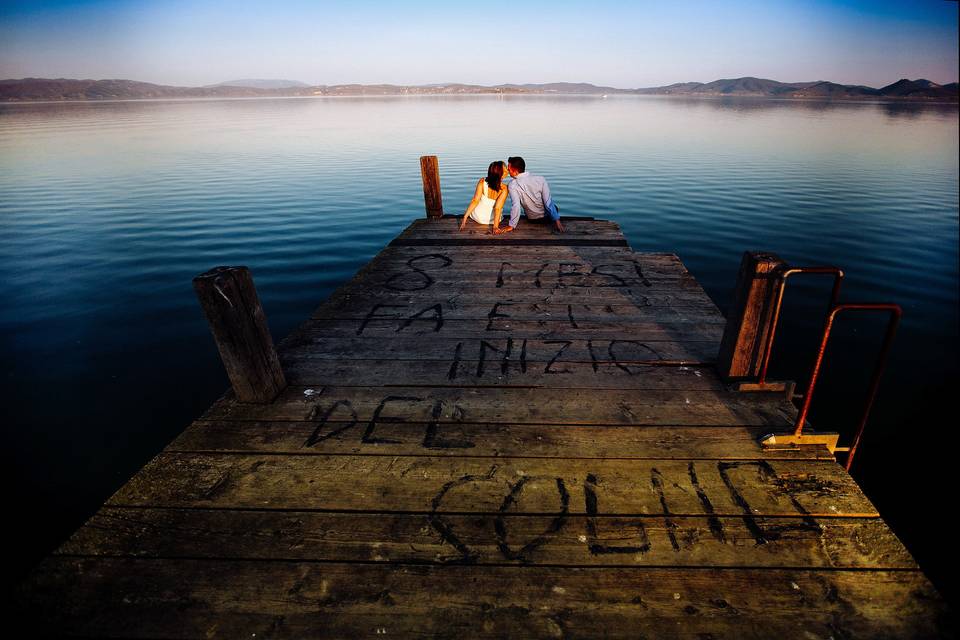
107 210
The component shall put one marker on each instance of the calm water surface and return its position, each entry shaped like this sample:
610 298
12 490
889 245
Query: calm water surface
107 210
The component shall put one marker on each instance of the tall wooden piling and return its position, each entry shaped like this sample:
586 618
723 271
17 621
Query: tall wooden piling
232 307
750 319
432 198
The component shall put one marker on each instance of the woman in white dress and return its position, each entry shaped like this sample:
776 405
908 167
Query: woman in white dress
489 198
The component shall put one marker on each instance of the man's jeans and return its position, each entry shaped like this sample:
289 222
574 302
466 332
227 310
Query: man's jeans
552 211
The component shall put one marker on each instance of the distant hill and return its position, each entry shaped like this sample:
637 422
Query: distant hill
919 88
43 89
728 87
564 87
833 90
254 83
912 89
35 89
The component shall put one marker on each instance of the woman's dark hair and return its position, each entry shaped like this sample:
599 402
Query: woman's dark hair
495 175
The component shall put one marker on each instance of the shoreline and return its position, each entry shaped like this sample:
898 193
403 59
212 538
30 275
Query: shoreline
598 96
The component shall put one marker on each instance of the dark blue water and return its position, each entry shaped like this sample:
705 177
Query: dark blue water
108 210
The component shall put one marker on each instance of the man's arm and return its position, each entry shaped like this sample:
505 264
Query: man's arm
515 203
545 194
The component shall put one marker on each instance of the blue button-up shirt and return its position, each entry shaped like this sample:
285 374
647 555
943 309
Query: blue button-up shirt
532 193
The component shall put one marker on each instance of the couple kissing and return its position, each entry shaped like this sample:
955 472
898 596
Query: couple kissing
527 191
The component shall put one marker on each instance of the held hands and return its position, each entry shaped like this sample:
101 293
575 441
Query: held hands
496 230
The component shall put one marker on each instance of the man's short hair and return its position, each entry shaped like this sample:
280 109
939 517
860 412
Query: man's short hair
517 163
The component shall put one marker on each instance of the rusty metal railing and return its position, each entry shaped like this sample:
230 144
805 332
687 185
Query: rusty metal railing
892 324
834 298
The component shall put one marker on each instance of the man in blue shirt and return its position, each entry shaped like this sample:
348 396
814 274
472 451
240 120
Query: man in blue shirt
530 192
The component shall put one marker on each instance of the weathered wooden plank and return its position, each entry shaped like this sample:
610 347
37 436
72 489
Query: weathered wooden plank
450 227
495 371
501 317
580 231
627 302
484 540
549 262
500 312
452 222
443 254
493 254
532 441
430 321
559 240
513 405
490 254
575 270
111 597
604 352
653 257
356 296
417 276
436 484
405 279
527 284
574 265
638 296
401 281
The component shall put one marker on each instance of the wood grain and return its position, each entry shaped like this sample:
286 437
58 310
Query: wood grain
752 488
230 303
645 541
305 346
432 196
490 438
517 406
122 597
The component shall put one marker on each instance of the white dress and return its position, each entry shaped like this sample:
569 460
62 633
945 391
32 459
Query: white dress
483 212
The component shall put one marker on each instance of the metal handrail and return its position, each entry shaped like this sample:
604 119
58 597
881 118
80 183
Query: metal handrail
895 314
834 298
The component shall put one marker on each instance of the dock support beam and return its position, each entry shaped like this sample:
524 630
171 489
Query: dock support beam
750 318
232 307
432 199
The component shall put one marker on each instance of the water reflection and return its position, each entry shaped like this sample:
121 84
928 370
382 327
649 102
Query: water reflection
748 104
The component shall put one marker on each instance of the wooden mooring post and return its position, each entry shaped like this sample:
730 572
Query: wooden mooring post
230 303
432 198
749 320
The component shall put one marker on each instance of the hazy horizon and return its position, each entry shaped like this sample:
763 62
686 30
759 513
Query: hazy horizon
200 43
454 82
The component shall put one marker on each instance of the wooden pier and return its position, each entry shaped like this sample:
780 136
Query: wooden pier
522 436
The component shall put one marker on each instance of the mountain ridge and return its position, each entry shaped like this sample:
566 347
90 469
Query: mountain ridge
261 83
64 89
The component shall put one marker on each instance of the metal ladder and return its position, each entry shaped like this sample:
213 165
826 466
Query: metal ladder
830 440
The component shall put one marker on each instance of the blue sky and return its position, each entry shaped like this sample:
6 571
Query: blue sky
623 44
